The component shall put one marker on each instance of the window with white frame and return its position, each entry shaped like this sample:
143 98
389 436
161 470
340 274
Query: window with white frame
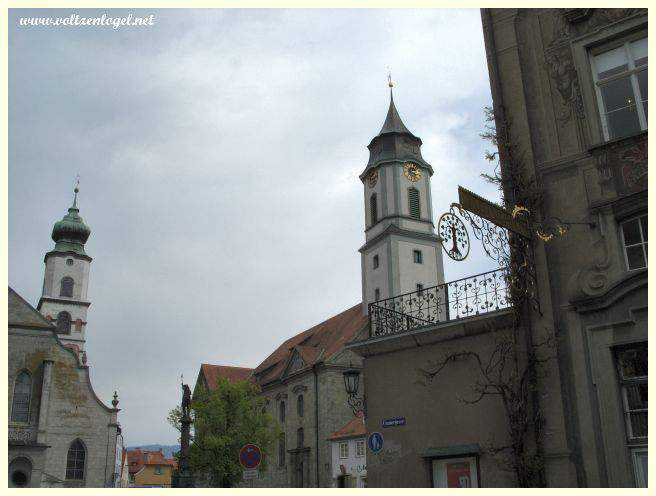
632 368
359 449
634 238
620 77
417 256
343 450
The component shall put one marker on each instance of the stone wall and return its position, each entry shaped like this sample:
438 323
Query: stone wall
72 410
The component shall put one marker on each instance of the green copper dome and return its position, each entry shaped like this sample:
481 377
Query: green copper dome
71 232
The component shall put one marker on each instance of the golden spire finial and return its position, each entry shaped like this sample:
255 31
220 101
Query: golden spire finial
389 79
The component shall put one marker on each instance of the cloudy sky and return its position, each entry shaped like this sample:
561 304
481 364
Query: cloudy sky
219 152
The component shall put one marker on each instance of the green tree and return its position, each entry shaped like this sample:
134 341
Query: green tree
225 419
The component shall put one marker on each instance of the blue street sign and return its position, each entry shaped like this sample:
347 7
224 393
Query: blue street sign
391 422
375 442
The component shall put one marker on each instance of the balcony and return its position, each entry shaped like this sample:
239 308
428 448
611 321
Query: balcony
448 302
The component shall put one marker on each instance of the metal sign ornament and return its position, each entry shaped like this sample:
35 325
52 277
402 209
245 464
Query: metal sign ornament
454 234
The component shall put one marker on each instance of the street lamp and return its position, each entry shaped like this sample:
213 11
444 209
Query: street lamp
351 384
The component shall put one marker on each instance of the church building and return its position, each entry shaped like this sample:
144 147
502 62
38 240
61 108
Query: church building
60 433
303 379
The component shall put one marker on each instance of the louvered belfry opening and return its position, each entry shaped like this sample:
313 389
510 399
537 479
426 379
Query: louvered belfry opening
373 207
413 203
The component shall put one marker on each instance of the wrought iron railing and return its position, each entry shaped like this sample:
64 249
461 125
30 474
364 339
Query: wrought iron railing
451 301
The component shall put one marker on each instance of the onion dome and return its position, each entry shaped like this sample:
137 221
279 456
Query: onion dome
71 232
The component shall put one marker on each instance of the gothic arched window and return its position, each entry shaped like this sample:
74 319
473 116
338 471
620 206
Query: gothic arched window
300 439
281 450
373 208
20 404
300 407
414 207
64 322
282 412
75 461
67 287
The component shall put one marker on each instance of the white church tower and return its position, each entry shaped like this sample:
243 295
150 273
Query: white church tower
66 280
402 253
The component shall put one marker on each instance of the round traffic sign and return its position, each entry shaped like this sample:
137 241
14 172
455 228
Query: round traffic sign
250 456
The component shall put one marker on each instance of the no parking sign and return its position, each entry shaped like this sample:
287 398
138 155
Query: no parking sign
250 456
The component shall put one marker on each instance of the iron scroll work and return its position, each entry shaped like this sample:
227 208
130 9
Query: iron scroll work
452 230
506 239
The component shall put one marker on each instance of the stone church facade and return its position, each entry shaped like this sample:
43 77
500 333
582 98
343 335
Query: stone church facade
60 433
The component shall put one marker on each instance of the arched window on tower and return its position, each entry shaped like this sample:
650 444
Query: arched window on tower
67 287
414 207
75 461
300 407
64 322
300 438
20 403
373 208
282 412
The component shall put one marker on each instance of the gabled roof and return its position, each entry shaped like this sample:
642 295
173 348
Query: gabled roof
355 428
138 459
211 373
314 345
22 314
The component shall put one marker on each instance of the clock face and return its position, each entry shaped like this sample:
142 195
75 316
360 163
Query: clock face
372 179
411 171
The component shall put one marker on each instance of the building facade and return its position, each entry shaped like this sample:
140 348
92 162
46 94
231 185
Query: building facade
349 455
60 433
572 83
304 390
149 468
571 86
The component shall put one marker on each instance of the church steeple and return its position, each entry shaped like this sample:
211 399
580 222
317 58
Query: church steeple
71 233
401 253
66 278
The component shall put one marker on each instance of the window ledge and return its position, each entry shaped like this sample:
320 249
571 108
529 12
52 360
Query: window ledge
617 141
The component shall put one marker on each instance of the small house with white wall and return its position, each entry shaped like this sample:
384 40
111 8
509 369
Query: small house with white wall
349 455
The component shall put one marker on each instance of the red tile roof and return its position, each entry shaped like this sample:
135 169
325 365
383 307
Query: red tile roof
355 428
316 344
211 373
138 458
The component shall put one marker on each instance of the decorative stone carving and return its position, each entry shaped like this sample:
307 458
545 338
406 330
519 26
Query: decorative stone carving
622 165
562 71
576 15
299 388
25 435
592 279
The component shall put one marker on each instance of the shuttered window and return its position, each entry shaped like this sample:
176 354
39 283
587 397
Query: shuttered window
373 208
413 203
